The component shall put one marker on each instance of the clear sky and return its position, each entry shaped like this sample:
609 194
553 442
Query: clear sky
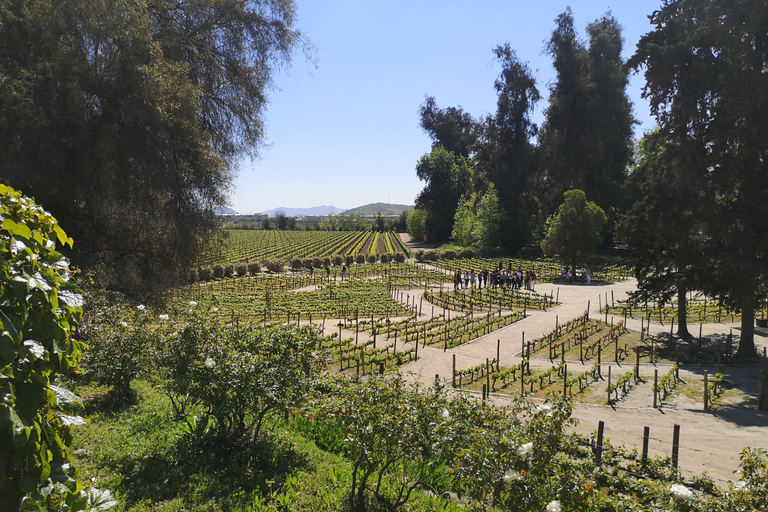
344 131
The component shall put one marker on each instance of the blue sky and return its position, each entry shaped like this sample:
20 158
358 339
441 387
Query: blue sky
344 130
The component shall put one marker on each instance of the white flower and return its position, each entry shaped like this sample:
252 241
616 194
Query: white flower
369 429
141 307
741 485
444 413
511 474
192 304
554 506
681 491
123 324
209 363
163 317
215 309
524 450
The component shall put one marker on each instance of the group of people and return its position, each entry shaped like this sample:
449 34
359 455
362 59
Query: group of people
497 279
569 274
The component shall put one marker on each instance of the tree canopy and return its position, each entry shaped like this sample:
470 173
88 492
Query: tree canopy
704 66
574 232
126 119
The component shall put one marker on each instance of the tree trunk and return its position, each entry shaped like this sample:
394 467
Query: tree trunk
747 340
682 313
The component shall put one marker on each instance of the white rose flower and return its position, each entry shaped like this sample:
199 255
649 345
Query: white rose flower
554 506
123 324
141 307
192 304
163 317
369 429
209 363
525 449
681 492
444 413
741 485
512 475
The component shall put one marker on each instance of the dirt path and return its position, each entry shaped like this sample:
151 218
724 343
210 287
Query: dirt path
709 441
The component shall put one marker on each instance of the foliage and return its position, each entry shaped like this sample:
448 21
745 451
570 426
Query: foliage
239 375
401 441
118 336
586 138
448 177
706 84
138 113
488 227
575 229
450 128
668 255
40 309
416 223
464 221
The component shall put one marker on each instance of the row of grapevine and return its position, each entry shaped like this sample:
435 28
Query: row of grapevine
237 246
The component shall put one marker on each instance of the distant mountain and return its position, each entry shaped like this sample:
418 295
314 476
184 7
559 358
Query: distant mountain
383 208
225 211
303 212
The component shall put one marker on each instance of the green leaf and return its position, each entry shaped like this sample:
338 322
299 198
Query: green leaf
18 229
62 236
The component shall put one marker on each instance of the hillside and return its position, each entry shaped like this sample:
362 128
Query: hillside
383 208
302 212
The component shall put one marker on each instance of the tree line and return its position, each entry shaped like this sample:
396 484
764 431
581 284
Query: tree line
688 198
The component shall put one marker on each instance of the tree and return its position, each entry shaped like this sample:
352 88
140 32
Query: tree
506 155
586 139
448 177
416 223
127 120
705 78
464 222
451 128
574 232
487 231
663 227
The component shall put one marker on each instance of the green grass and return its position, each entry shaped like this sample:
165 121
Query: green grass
135 449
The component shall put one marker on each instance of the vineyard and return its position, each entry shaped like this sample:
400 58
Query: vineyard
242 246
545 270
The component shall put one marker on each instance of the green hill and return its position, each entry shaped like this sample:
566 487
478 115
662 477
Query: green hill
383 208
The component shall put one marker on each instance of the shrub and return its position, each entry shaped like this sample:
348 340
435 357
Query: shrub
239 375
468 252
229 271
400 257
534 252
218 271
40 310
420 254
241 270
274 265
118 336
338 260
296 264
449 255
317 262
204 273
326 262
192 276
254 268
384 258
431 256
371 258
308 263
348 259
360 259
